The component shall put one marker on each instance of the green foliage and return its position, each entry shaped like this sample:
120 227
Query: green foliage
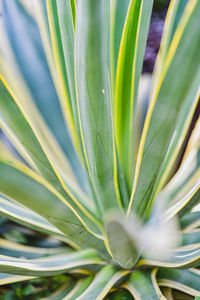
34 289
88 177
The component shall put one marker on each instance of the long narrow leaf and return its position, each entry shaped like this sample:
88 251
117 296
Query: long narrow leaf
60 17
27 217
129 69
186 281
189 170
60 293
185 204
21 127
79 288
169 113
27 188
52 265
174 14
181 258
94 99
13 249
23 32
190 221
143 285
118 11
9 278
102 283
191 238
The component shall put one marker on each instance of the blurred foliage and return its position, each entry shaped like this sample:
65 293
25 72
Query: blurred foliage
33 289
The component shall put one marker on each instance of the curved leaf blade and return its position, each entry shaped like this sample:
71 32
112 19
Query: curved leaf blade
189 170
23 33
169 113
24 216
181 258
143 285
185 204
62 291
52 265
17 250
79 288
186 281
23 130
102 283
190 221
31 190
10 278
191 238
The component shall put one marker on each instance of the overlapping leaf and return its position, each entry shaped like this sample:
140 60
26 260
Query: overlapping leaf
169 113
50 265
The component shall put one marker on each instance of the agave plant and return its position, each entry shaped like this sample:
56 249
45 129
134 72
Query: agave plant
85 168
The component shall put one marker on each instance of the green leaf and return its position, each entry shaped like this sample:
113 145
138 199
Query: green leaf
94 99
123 248
102 283
16 151
60 17
19 124
190 221
13 249
10 278
52 265
129 67
143 285
179 258
73 9
186 281
29 189
23 33
185 204
191 238
188 173
21 127
174 14
118 11
79 288
24 216
54 61
169 113
64 290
